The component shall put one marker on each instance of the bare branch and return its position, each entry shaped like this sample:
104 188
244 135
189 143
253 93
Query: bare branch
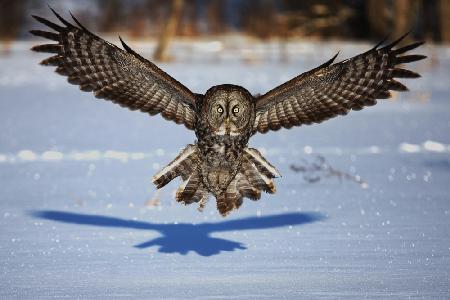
319 168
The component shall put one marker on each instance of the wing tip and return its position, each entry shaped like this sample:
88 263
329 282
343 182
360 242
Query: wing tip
125 46
384 39
79 24
45 34
330 61
408 48
404 73
409 58
50 48
397 86
397 41
61 19
48 23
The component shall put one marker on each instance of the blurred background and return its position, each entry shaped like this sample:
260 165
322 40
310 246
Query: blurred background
259 19
379 178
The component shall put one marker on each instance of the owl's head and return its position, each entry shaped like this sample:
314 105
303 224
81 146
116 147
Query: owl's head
228 109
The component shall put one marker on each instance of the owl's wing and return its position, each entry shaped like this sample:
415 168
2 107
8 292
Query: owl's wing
335 89
123 77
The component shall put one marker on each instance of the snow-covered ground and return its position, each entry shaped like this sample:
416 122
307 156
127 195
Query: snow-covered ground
79 217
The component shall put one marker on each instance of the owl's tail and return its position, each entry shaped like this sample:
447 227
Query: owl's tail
255 175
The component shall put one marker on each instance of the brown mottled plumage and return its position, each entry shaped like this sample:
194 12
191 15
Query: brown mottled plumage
335 89
220 162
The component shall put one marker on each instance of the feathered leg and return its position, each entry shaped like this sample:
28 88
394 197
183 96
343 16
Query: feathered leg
255 176
182 165
229 199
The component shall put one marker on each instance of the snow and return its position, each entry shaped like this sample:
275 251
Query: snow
79 217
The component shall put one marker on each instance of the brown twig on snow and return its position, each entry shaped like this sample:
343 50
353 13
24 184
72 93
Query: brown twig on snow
319 168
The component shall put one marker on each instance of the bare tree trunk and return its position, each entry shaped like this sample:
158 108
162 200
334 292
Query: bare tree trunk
111 16
169 31
11 18
190 17
396 17
215 17
401 8
406 12
380 16
444 20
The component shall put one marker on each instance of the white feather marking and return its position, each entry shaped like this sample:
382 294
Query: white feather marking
221 131
219 148
379 74
257 120
267 180
184 154
258 157
183 186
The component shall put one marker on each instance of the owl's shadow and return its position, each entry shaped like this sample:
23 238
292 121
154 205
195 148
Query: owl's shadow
183 238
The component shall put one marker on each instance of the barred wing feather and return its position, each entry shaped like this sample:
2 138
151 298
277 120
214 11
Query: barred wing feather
335 89
121 76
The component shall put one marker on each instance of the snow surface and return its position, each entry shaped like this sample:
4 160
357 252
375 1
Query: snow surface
79 217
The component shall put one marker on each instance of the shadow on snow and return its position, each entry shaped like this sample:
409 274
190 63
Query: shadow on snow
182 238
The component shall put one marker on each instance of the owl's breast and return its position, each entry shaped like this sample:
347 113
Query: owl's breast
220 161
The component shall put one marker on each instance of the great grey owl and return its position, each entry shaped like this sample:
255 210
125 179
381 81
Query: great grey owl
220 162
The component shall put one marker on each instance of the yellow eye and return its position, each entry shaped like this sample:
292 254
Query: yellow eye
219 109
235 109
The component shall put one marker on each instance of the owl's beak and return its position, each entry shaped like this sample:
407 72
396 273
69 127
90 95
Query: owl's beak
227 126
